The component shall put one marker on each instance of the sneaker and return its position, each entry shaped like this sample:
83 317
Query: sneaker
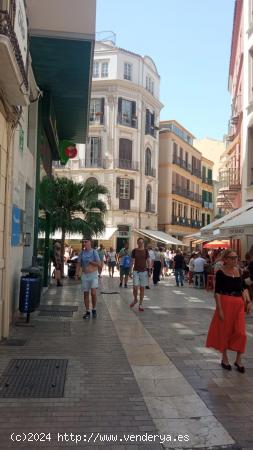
125 286
141 308
147 287
132 304
86 315
120 285
94 313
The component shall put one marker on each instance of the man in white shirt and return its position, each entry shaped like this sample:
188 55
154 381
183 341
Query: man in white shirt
199 267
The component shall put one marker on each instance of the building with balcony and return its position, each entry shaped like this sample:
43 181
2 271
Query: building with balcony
122 151
231 168
38 108
185 199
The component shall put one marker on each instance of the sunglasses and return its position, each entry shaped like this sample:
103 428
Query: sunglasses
232 257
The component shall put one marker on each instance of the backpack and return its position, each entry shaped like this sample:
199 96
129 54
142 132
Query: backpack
126 262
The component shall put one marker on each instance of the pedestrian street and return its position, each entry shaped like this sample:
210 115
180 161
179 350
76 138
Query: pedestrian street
129 373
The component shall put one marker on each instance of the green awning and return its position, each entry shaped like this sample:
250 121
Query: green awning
62 67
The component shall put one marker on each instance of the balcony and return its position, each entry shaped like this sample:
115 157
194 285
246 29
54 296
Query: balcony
97 119
151 208
76 164
195 197
207 205
14 52
127 164
127 120
182 163
150 172
207 181
196 172
183 221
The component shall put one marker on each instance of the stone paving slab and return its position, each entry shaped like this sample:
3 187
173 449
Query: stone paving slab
178 320
101 393
165 396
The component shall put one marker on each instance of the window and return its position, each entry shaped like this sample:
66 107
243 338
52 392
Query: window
150 123
124 188
148 162
104 69
125 153
97 106
95 69
92 181
208 219
93 155
148 198
127 113
150 85
125 192
128 71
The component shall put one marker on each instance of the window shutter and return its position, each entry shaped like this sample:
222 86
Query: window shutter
99 149
102 110
210 174
147 127
117 187
120 109
134 119
132 189
210 197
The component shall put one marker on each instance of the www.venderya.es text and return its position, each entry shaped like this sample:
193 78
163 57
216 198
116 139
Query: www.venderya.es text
76 438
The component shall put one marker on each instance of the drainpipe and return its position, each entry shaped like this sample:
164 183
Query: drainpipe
141 151
7 230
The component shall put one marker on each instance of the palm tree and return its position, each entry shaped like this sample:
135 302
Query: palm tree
71 207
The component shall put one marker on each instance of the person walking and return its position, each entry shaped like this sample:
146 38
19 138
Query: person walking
89 262
124 259
227 328
140 263
57 261
111 258
101 254
158 264
179 265
199 264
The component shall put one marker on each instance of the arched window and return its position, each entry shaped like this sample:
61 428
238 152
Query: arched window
92 180
148 168
148 198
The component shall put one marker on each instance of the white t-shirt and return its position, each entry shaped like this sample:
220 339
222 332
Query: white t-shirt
151 254
199 264
112 256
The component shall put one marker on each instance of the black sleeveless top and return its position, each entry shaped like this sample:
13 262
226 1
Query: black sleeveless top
224 284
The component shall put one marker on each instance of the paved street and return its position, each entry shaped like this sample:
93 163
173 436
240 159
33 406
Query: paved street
130 373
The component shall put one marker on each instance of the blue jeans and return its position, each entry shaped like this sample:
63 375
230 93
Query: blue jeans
179 276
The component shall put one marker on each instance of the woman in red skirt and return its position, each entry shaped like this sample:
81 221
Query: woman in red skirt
227 329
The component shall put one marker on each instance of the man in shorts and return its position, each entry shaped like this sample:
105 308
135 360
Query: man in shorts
101 254
89 261
140 262
124 258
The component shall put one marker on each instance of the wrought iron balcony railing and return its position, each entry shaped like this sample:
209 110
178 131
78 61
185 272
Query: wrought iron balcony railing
179 190
150 172
126 164
7 18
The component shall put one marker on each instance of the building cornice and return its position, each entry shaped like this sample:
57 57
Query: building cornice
101 85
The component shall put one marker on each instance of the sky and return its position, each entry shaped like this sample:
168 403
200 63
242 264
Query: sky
189 41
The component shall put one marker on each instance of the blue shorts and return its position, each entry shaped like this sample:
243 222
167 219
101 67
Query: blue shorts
140 278
89 281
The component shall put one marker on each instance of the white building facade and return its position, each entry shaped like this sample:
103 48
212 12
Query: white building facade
122 152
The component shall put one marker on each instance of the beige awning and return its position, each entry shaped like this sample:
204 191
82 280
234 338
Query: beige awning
160 236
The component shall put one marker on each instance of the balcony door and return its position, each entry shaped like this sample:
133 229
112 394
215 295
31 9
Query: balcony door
125 154
93 155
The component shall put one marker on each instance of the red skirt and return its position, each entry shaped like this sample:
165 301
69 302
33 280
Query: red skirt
228 334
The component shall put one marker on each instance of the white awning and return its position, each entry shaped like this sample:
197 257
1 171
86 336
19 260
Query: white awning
105 236
240 225
217 224
160 236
